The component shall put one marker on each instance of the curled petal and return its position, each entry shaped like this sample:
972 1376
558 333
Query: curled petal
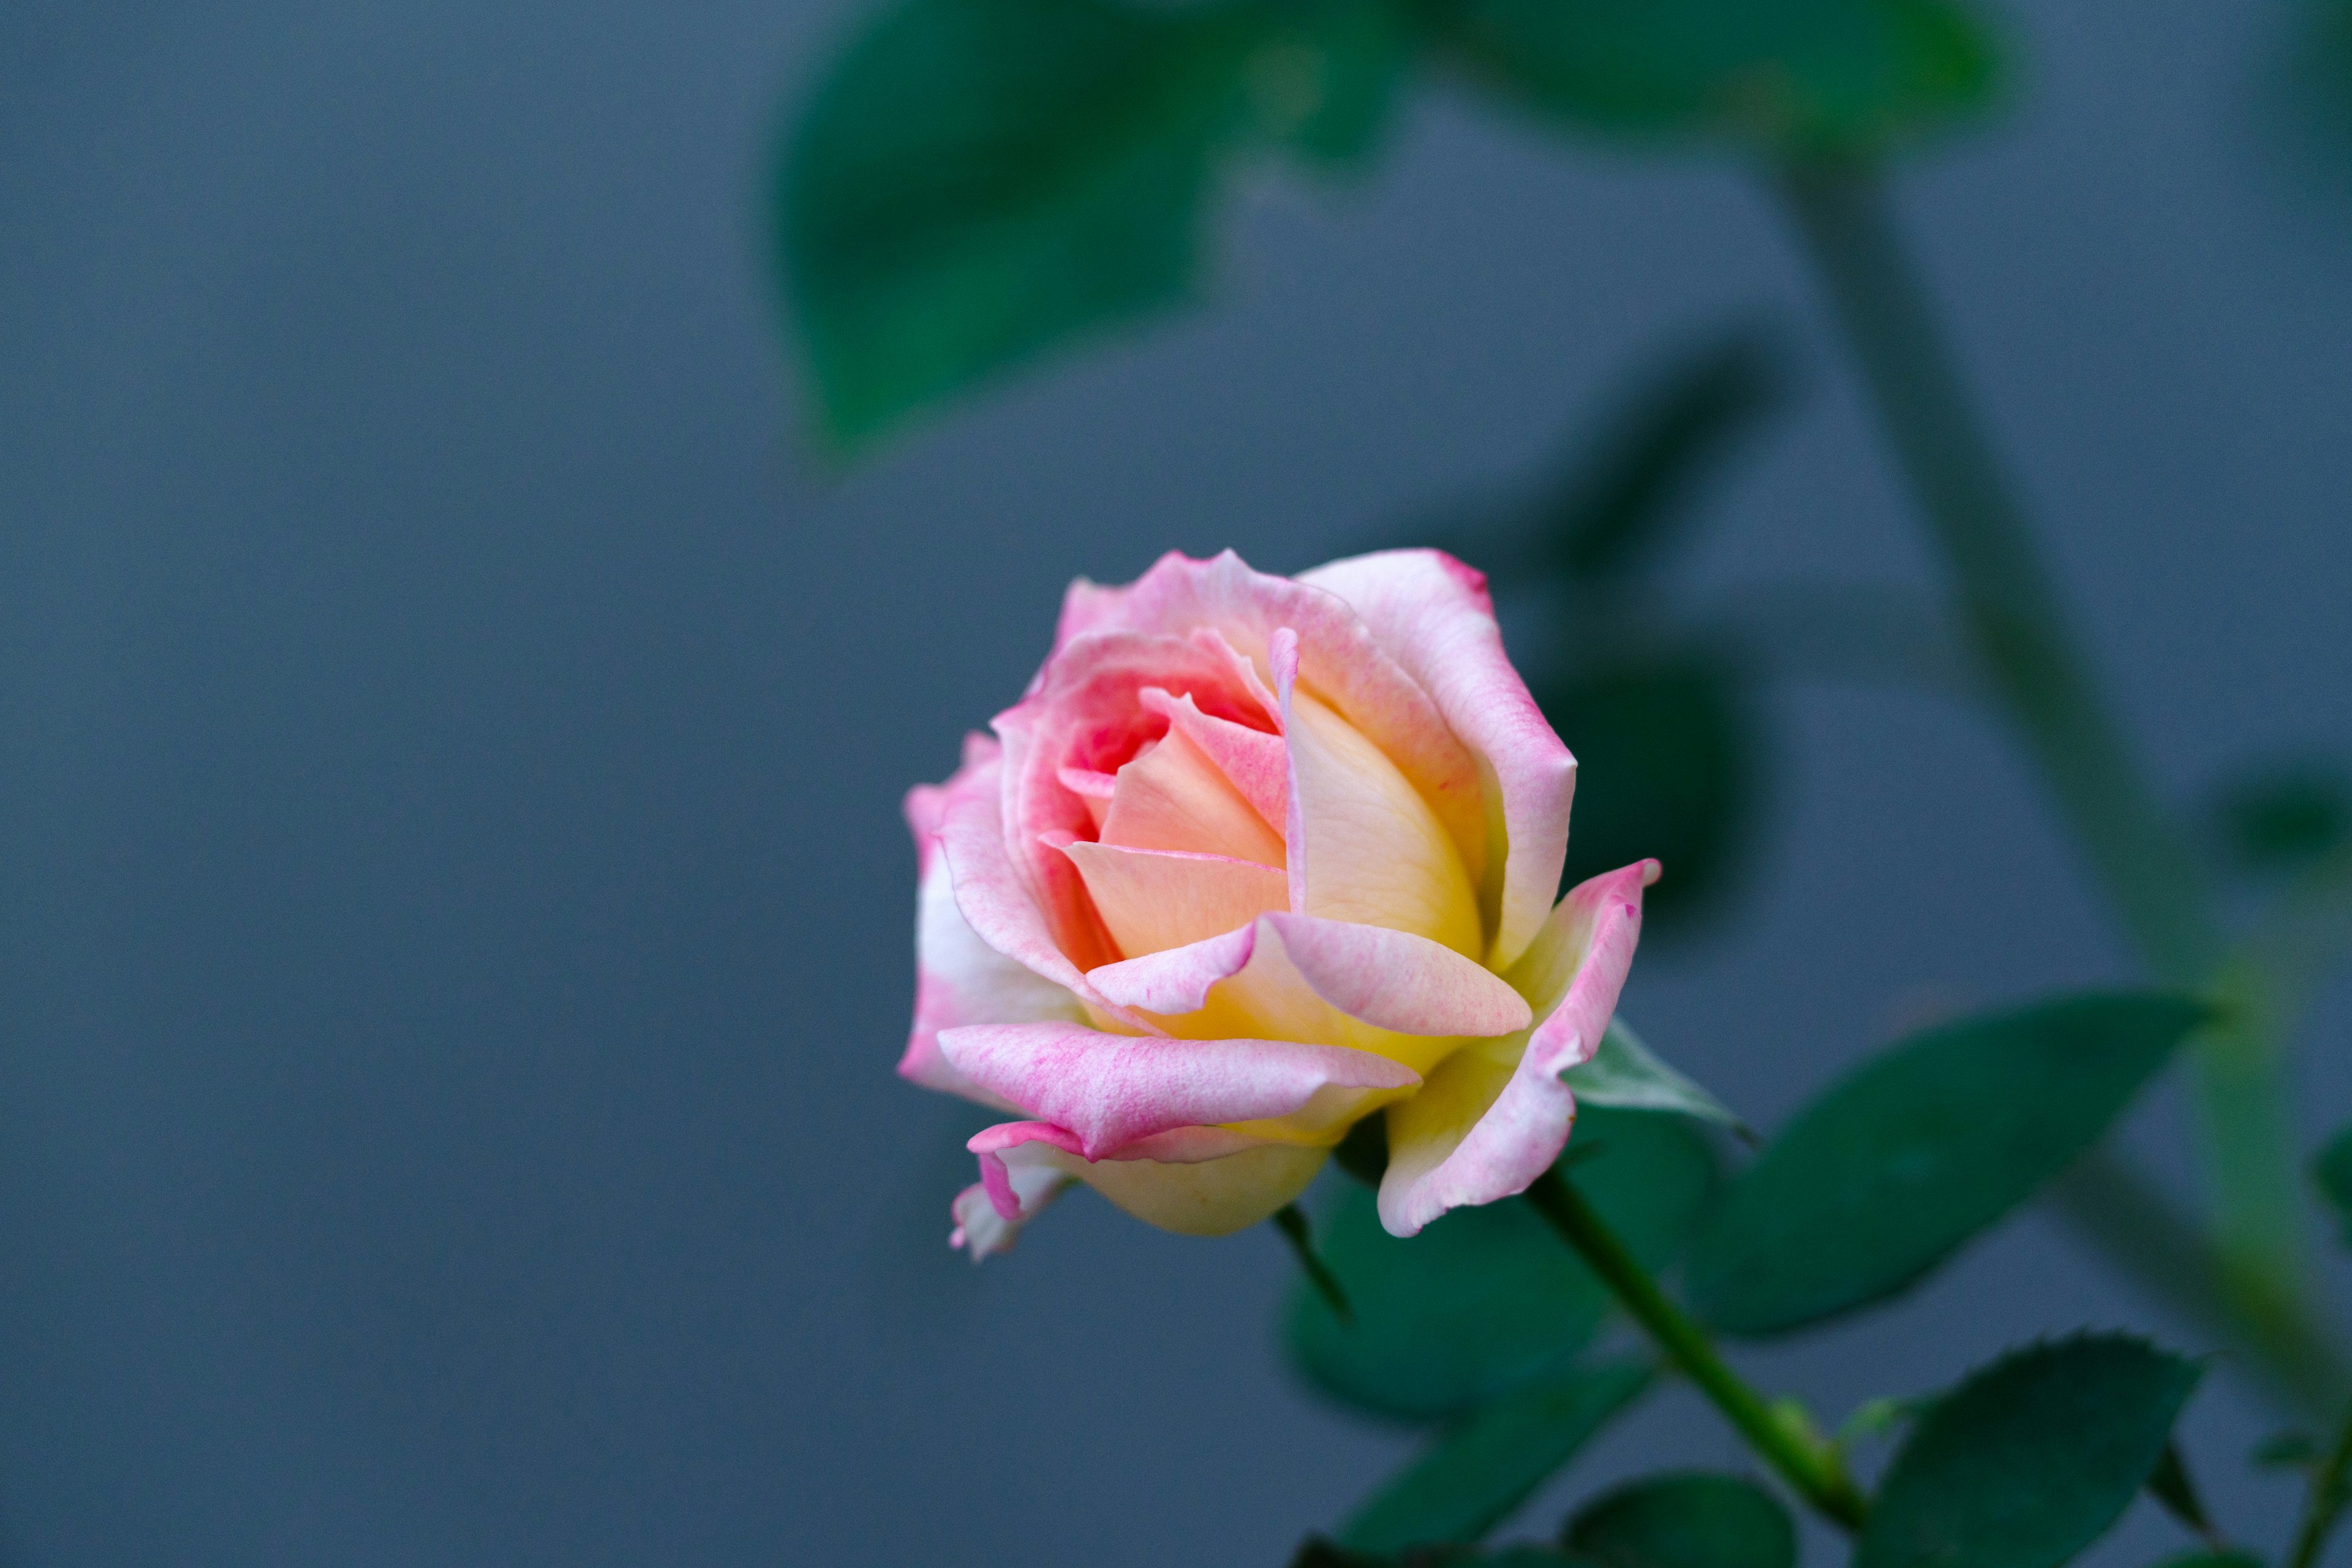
1432 614
1109 1090
1396 980
1178 979
1299 971
1028 1180
1492 1117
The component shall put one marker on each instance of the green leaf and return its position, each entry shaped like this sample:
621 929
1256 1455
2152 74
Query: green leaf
1919 1150
2333 1172
978 180
1617 509
2170 1484
2213 1559
2285 816
1625 1073
2031 1459
1783 76
1487 1299
1692 1521
1669 768
2288 1451
1477 1471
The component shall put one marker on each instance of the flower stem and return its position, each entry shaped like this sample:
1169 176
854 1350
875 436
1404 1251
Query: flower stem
1803 1457
2009 608
2331 1486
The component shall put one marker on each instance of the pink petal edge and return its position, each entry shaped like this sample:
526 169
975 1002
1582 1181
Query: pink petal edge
1522 1132
1431 615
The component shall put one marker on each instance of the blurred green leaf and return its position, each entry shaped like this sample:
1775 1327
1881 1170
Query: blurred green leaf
1782 77
1363 1154
2285 816
1622 493
1692 1521
1625 1073
2170 1484
1617 506
2031 1459
1922 1146
2333 1172
2288 1451
1669 767
2213 1559
1477 1471
978 180
1487 1299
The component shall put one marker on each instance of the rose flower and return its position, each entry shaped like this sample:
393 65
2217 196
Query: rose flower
1255 857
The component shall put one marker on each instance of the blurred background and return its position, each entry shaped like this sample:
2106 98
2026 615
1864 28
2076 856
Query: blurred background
458 920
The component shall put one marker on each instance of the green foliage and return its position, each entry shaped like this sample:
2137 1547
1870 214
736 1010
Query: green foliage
1477 1471
2285 816
1487 1299
1693 1520
1923 1146
2288 1451
978 180
1621 503
2333 1172
2213 1559
1782 77
1668 767
2029 1459
1625 1073
2170 1484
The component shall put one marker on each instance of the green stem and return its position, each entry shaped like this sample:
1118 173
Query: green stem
2331 1485
1803 1457
2006 603
1291 1221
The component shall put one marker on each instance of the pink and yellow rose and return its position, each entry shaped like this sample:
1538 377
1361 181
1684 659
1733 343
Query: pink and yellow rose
1255 857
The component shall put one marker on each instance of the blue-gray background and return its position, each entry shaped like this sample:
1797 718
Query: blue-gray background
456 915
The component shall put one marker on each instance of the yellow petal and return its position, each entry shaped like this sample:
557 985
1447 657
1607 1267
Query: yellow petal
1372 851
1153 899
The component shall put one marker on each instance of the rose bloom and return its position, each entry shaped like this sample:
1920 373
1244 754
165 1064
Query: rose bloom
1255 857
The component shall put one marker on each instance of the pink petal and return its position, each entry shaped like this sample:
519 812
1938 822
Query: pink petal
1154 900
1432 614
989 890
959 978
1396 980
1113 1089
1363 846
1343 662
1174 796
1295 977
1254 761
1484 1126
1029 1178
1176 979
1085 713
